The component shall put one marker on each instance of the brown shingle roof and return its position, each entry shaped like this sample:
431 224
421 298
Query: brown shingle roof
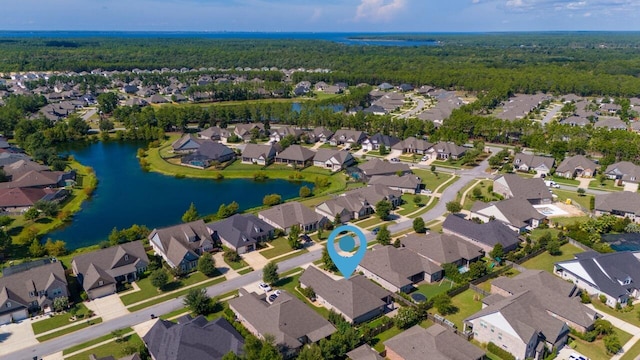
433 343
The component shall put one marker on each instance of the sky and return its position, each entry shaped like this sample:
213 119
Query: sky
321 15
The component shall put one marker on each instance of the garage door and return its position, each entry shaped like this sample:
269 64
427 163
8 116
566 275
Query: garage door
20 315
5 319
103 291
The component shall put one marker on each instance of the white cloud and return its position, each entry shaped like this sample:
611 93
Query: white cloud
475 1
379 10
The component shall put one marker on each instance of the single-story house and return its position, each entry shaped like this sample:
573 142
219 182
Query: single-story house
295 155
18 200
277 134
259 154
434 342
209 152
398 269
518 214
357 299
334 160
193 338
407 183
241 232
620 203
443 249
344 136
485 235
377 166
187 144
320 134
577 166
247 131
374 142
214 133
99 272
413 145
614 275
289 320
513 186
285 216
446 150
527 162
358 203
181 245
30 289
624 172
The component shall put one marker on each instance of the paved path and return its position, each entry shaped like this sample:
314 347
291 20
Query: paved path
625 326
416 109
551 114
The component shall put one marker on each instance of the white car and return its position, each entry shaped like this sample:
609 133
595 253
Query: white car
264 287
425 158
394 160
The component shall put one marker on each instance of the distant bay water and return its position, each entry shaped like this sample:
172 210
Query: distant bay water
373 39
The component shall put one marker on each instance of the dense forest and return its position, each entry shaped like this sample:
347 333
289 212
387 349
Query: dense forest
581 63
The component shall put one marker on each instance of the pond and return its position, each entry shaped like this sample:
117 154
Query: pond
126 195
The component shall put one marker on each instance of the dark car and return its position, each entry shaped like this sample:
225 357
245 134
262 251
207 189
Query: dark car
305 238
375 230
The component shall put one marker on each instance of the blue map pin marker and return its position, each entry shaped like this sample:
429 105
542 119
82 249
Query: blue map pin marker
346 264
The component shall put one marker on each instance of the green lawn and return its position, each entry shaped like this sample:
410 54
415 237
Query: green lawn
632 353
485 195
384 336
280 247
116 349
94 341
408 206
245 271
431 290
430 180
147 290
176 294
564 181
292 255
628 316
58 320
447 164
563 195
81 325
545 261
609 185
427 207
372 221
468 303
564 221
596 350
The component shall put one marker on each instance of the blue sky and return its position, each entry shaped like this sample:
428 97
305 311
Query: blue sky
321 15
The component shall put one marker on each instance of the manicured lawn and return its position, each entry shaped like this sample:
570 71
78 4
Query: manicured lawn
564 221
628 316
176 294
81 325
384 336
116 349
94 341
403 232
447 164
632 353
290 272
430 205
596 350
409 205
431 290
565 181
430 180
147 290
545 261
372 221
609 185
280 247
466 305
174 313
58 320
245 271
563 195
292 255
485 195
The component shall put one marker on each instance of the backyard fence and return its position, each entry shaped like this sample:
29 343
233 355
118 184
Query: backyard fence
479 290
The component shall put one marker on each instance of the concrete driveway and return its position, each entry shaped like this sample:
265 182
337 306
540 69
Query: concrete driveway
564 353
630 187
255 260
108 307
16 336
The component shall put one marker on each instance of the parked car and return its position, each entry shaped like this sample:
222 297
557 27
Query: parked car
426 191
394 160
306 238
375 230
274 296
264 287
551 183
425 158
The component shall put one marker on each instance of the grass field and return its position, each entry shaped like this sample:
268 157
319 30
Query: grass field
629 316
58 320
632 353
431 290
94 341
114 348
565 181
289 284
609 185
468 304
147 290
409 205
545 261
176 294
563 195
485 195
280 247
81 325
596 350
430 180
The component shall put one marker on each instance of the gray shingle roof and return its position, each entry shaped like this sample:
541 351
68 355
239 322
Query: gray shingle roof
413 143
210 150
179 240
16 287
192 339
533 161
255 151
517 212
436 341
345 295
406 181
625 170
626 201
364 352
489 233
240 229
287 319
397 265
576 162
442 248
528 189
376 166
296 153
289 214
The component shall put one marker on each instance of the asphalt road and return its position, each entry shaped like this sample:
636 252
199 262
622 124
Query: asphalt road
134 318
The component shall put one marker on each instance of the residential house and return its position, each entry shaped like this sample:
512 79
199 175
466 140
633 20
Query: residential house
446 150
19 200
29 290
405 87
181 245
577 166
520 105
575 121
101 271
209 152
444 249
334 160
390 101
289 320
377 166
246 132
385 86
560 298
621 203
133 356
364 352
357 299
289 214
398 269
349 137
513 186
241 232
518 214
375 110
374 142
433 343
158 99
358 203
277 134
320 134
485 235
187 144
259 154
413 145
614 275
611 123
519 324
295 155
192 338
214 133
527 162
407 183
28 174
624 172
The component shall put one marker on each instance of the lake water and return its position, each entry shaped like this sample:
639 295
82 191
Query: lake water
623 242
126 195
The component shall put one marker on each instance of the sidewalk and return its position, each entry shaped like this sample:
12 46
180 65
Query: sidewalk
174 291
625 326
71 324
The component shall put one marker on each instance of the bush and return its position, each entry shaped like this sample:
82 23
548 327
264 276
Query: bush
231 256
603 298
260 176
308 292
305 192
585 298
454 207
406 317
272 199
500 352
207 265
159 278
612 344
418 225
270 273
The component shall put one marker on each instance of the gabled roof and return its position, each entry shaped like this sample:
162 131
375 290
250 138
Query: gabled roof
245 129
516 212
181 240
192 339
534 161
406 181
528 189
364 352
413 143
240 229
576 162
349 135
442 248
256 151
340 156
187 141
37 179
385 140
397 265
436 341
612 123
210 150
376 166
22 197
16 287
626 201
288 319
490 233
106 264
296 153
345 295
289 214
448 148
627 170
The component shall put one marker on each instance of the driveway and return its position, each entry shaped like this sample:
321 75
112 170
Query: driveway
551 114
16 336
564 353
255 260
630 187
108 307
393 154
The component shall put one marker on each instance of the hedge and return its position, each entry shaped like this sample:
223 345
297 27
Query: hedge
500 352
